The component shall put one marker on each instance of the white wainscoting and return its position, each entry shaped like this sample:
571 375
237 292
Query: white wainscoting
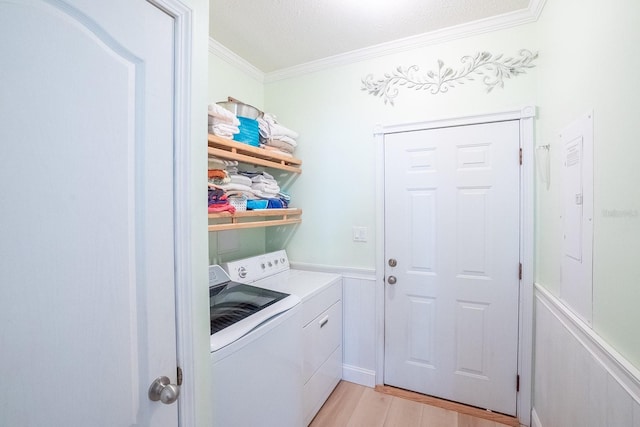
359 322
359 338
579 380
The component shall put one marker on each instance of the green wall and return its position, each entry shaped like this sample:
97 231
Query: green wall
226 79
588 61
336 120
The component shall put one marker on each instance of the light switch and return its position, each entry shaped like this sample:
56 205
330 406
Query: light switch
359 234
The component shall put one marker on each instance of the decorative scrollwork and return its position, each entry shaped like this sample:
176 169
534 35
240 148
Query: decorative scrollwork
493 70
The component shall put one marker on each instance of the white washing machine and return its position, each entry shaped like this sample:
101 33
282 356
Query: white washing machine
256 355
321 312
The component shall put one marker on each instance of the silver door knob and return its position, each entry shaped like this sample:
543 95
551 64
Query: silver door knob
391 280
162 389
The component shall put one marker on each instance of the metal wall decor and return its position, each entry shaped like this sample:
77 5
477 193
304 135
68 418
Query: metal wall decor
492 69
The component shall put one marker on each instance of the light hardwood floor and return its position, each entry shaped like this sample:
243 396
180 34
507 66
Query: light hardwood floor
358 406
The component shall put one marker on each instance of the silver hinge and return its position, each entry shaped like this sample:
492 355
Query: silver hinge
517 382
521 156
520 271
179 375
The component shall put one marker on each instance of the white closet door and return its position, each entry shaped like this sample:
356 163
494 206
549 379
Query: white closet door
87 308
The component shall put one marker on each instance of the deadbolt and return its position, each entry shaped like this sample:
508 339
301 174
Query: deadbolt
392 262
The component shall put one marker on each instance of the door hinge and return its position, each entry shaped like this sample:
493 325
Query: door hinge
520 271
521 156
517 382
179 375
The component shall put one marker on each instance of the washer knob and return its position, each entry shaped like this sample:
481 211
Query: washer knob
242 272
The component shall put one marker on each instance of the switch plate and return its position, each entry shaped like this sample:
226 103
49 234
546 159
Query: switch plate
359 234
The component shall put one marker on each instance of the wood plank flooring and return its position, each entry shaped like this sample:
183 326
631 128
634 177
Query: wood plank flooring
354 405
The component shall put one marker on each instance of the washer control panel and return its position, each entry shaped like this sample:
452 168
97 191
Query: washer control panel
248 270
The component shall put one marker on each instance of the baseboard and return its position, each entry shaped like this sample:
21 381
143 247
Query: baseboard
535 420
360 376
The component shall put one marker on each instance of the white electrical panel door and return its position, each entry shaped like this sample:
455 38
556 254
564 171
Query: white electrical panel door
577 216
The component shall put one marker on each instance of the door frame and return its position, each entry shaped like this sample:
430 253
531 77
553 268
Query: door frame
186 338
526 116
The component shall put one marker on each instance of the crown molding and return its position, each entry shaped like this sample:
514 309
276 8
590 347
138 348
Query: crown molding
235 60
499 22
535 8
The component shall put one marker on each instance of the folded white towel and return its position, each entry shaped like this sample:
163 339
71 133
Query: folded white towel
278 145
271 128
223 114
265 187
277 150
226 128
240 179
264 195
215 163
216 132
232 186
263 128
264 178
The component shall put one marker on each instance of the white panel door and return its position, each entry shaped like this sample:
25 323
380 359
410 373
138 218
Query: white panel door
452 225
87 309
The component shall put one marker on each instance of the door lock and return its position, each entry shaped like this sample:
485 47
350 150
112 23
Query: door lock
392 262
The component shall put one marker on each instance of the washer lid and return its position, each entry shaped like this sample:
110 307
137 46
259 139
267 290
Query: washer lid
236 309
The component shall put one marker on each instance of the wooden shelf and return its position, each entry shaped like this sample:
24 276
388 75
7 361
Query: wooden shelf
264 217
232 150
245 153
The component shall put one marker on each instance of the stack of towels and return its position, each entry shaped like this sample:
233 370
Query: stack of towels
222 122
274 136
260 188
263 185
219 201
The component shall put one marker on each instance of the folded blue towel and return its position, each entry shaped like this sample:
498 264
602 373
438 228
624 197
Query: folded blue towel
257 204
275 204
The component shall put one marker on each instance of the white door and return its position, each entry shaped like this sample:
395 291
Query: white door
87 310
452 227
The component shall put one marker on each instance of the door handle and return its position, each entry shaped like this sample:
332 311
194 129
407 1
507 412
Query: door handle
391 280
324 321
162 389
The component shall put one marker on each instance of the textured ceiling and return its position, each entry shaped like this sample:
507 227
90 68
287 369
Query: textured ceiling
277 34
